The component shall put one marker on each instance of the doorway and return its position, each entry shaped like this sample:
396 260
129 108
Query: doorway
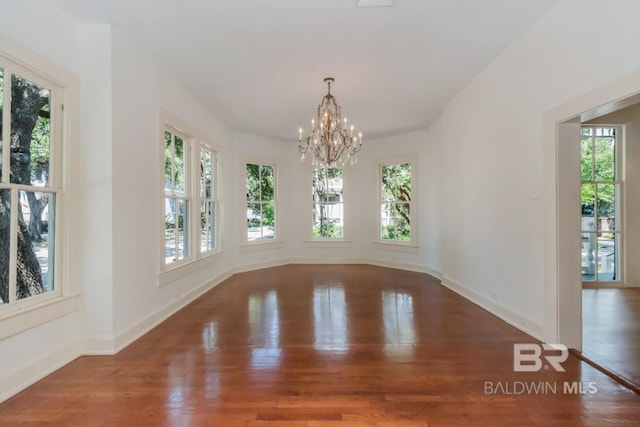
617 226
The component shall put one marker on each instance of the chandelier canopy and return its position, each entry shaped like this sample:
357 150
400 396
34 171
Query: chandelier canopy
332 144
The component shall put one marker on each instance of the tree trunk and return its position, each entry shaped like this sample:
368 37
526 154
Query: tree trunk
27 100
35 219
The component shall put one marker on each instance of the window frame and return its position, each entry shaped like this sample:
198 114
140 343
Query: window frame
618 184
413 161
20 315
345 228
194 141
276 232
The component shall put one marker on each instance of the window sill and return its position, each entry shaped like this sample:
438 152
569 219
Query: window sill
396 246
28 316
177 272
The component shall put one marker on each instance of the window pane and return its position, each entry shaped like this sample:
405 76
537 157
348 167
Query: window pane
607 256
37 215
268 220
586 157
588 256
604 152
207 219
606 206
206 174
254 221
168 164
588 203
30 132
266 183
253 183
179 165
170 230
328 220
5 236
183 229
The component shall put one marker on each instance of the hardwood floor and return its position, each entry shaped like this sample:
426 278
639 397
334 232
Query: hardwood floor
611 330
321 346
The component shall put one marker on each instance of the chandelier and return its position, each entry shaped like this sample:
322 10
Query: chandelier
330 142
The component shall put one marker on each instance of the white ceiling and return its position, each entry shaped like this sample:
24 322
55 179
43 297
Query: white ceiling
259 65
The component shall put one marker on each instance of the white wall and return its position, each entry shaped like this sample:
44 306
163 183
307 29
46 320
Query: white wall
94 184
493 152
140 88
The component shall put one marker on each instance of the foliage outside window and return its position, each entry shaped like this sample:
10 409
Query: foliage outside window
395 202
261 201
328 204
190 198
29 187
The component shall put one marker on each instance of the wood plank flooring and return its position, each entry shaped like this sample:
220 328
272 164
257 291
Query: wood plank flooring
611 330
322 346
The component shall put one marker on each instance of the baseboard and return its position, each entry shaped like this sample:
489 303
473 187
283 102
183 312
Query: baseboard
328 260
259 266
525 325
108 346
408 267
131 334
28 375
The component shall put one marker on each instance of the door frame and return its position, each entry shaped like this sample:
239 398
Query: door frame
561 181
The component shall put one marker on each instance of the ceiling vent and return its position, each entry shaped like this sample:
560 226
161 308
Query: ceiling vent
374 3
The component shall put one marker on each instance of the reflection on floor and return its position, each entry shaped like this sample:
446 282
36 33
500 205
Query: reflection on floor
324 346
611 330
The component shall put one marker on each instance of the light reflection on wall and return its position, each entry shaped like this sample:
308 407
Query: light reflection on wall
330 319
264 324
399 323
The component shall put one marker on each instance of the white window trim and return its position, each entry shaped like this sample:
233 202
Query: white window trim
398 245
621 228
216 199
197 259
345 240
65 90
266 244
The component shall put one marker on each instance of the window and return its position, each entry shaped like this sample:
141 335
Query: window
177 198
396 211
600 194
261 201
190 211
328 204
208 196
30 185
